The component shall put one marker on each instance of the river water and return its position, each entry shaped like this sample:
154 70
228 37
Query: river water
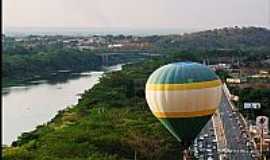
26 106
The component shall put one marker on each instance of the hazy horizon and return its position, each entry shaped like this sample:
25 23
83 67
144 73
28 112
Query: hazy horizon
24 31
86 31
139 14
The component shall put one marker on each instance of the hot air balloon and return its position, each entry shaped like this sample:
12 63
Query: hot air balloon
183 96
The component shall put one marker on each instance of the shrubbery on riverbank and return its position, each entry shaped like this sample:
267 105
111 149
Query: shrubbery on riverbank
111 121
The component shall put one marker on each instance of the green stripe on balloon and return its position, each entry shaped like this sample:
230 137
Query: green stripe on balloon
176 73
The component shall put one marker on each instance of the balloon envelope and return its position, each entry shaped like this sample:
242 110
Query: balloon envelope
183 96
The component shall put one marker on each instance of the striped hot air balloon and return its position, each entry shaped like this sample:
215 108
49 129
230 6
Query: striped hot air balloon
183 96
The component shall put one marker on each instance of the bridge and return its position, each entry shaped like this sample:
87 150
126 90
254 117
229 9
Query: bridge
105 57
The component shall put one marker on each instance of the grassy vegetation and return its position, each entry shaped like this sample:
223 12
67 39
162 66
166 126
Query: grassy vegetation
111 121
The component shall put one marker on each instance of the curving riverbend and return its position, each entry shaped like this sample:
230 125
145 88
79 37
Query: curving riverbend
26 106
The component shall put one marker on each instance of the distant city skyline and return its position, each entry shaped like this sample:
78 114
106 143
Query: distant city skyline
137 14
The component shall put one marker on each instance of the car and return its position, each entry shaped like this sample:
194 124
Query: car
253 152
239 123
201 138
242 131
210 158
248 144
209 146
229 151
253 155
210 154
196 152
196 155
201 157
206 135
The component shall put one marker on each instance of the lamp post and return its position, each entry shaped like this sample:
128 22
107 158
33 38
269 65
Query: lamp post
262 120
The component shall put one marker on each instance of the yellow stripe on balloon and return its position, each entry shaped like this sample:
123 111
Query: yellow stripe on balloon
187 86
184 114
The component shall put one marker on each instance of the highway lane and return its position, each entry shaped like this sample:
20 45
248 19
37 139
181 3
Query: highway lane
205 144
236 140
235 134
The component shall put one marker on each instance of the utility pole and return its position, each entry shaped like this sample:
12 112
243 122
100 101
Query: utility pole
261 141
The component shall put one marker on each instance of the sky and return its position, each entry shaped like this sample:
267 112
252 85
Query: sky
136 13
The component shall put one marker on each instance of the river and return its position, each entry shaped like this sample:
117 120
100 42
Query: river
26 106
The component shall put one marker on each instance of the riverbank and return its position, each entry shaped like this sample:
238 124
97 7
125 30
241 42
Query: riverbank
111 121
23 64
36 102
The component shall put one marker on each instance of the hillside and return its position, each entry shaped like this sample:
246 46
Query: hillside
245 38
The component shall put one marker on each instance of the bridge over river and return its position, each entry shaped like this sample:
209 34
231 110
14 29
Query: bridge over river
106 58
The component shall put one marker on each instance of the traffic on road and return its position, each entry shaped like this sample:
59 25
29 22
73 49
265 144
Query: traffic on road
239 145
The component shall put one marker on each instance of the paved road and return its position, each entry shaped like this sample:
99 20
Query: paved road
205 144
235 133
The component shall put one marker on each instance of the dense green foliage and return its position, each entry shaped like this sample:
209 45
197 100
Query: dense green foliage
29 64
29 58
111 121
226 38
26 65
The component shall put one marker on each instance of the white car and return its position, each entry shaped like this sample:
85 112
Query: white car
201 138
209 146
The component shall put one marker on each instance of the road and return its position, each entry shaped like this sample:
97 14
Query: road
205 144
235 134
